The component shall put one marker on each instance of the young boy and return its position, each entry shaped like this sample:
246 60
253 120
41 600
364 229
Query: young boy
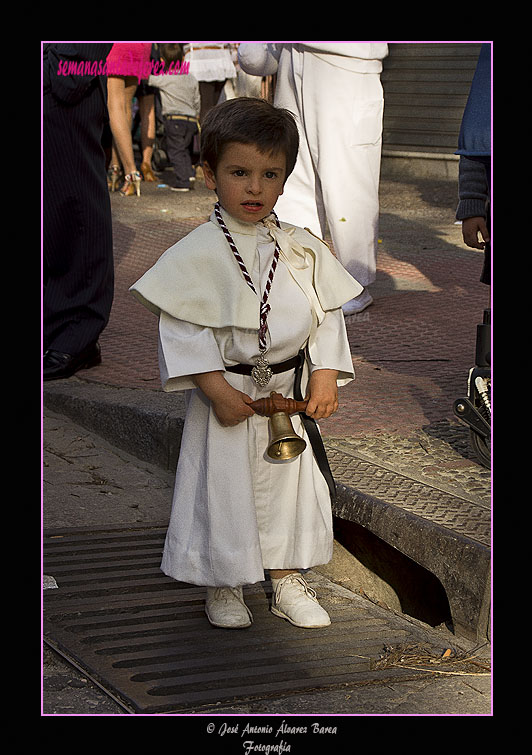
240 290
180 108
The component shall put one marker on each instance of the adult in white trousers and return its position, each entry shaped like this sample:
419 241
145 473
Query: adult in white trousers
335 92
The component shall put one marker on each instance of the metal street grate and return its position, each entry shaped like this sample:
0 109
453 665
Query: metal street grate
145 639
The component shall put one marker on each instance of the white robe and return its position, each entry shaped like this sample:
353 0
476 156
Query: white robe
235 511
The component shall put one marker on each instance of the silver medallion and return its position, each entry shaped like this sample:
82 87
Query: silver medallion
261 374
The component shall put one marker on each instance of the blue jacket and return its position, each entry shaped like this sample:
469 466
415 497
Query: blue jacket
474 140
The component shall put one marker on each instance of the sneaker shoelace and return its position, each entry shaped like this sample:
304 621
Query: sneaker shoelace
224 593
297 581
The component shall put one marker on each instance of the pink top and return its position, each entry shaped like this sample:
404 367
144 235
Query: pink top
129 59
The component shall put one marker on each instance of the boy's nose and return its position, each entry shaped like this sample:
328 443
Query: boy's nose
254 185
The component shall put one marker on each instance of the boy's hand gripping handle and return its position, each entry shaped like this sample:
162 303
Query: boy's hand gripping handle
276 402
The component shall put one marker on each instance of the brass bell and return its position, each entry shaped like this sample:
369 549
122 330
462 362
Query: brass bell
285 443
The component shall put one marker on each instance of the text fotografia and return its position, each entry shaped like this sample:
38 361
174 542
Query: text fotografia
126 66
250 746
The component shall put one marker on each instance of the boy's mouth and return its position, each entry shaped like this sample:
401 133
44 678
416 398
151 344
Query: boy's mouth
252 206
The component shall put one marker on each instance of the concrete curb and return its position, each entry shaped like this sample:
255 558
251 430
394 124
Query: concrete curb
137 421
462 565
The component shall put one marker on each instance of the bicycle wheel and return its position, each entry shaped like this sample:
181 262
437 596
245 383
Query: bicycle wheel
482 448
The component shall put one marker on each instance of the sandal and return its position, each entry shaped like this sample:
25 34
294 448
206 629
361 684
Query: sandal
147 172
132 184
114 174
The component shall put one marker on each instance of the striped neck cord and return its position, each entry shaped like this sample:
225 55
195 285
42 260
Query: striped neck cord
264 306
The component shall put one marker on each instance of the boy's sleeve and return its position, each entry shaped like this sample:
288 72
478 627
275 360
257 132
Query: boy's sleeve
330 348
473 189
185 349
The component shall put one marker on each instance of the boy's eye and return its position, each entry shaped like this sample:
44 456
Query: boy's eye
240 172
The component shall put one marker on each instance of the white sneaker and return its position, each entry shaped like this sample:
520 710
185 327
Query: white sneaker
358 304
225 608
294 600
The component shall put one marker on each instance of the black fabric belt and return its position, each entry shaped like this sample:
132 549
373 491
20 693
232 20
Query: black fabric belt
245 369
313 432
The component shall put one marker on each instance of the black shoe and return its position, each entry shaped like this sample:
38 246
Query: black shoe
57 365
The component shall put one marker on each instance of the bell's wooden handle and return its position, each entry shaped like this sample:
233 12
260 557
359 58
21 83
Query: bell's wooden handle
276 402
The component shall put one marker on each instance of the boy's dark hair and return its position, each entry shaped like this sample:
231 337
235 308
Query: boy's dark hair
171 51
249 120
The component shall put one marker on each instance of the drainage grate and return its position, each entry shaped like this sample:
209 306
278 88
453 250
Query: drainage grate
145 639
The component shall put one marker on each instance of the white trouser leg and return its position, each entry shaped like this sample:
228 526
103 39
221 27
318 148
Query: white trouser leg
301 203
340 116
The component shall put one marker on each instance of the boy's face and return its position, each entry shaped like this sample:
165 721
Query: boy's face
248 182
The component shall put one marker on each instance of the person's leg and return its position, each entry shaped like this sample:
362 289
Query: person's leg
209 94
147 134
339 114
77 231
343 120
300 202
178 137
120 91
114 172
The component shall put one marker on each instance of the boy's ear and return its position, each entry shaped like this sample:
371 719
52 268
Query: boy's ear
208 175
